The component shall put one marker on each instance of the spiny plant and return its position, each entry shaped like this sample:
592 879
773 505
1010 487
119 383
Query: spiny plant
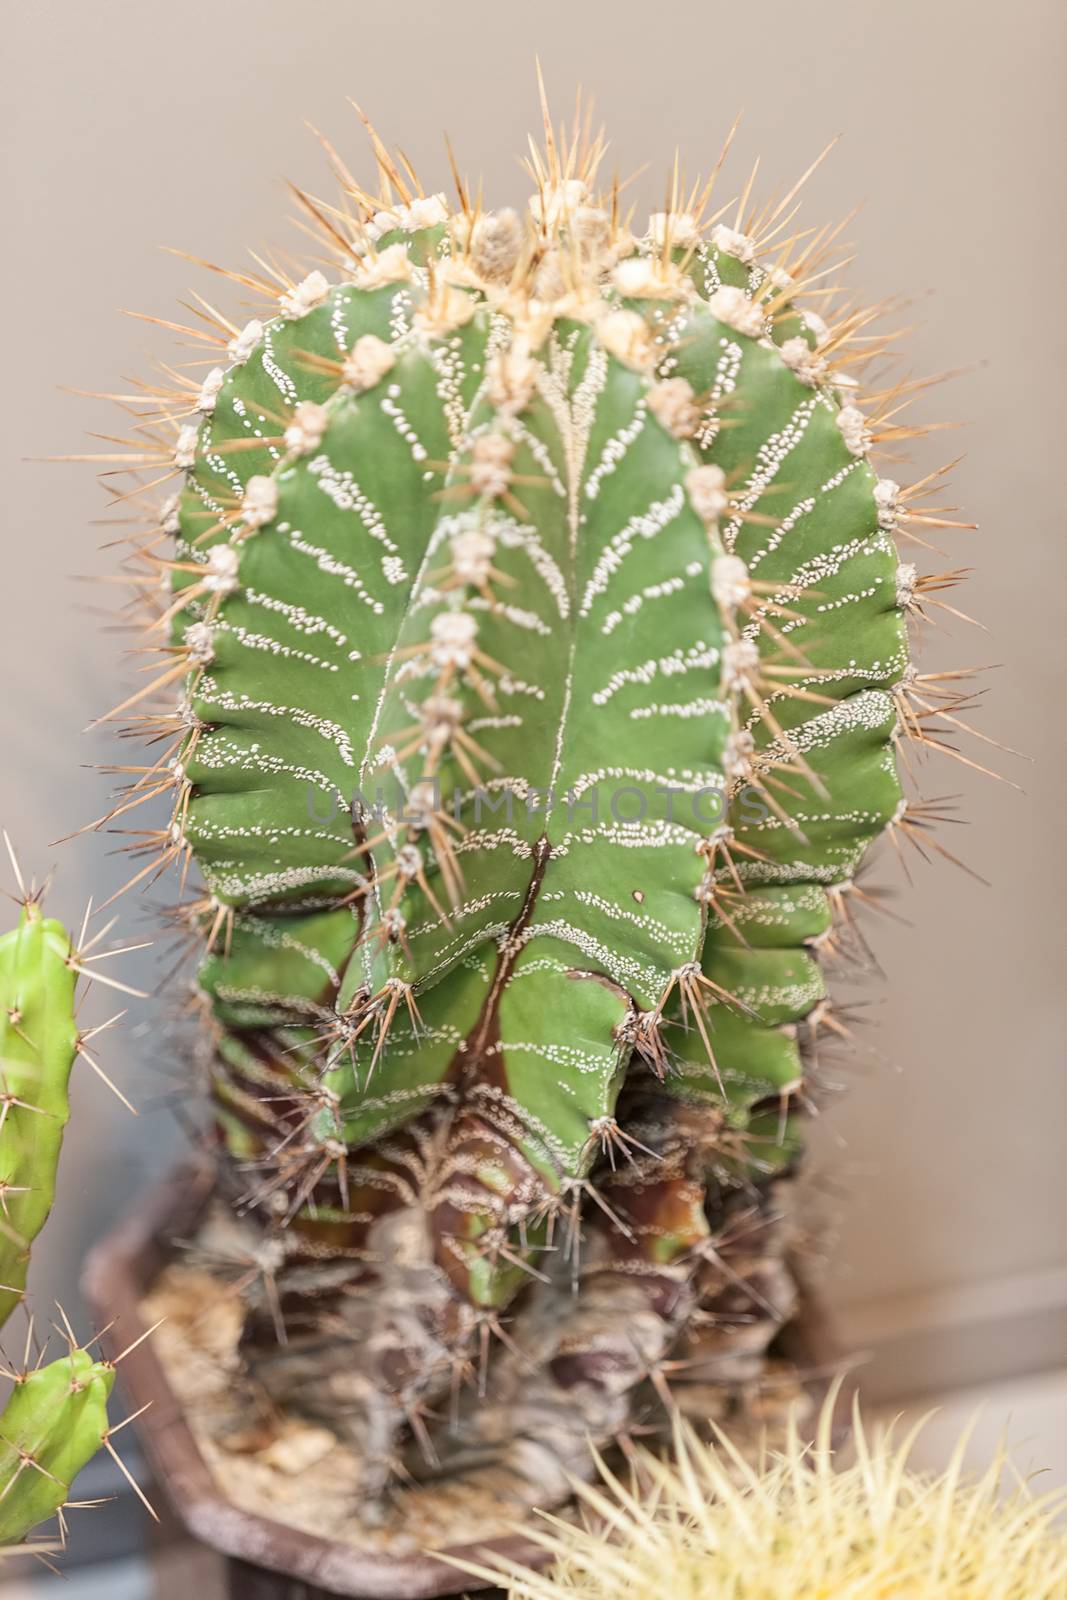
540 646
55 1418
800 1525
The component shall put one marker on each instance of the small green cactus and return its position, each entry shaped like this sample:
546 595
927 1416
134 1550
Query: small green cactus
54 1422
542 650
38 1044
55 1418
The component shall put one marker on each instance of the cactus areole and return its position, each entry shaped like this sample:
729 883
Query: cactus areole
541 649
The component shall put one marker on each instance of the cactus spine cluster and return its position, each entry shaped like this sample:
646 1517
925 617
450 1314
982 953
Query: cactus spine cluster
799 1521
541 646
55 1418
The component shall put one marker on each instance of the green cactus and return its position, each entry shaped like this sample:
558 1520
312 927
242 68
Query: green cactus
38 1044
543 654
55 1418
54 1422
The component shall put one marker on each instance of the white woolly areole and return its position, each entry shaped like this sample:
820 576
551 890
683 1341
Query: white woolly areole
591 227
816 325
391 265
367 363
242 345
552 275
408 861
472 555
260 502
732 306
199 639
511 377
305 295
854 430
730 582
448 308
780 277
381 222
307 428
679 227
221 576
185 447
706 488
452 636
491 463
650 277
440 715
495 244
729 242
423 803
170 514
674 406
737 754
740 663
907 582
635 276
801 360
627 335
887 501
209 391
428 211
554 203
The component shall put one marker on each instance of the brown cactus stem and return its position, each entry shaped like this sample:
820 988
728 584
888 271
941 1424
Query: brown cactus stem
484 1178
745 1293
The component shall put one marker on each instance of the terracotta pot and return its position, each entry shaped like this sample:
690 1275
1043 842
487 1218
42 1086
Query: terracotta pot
266 1559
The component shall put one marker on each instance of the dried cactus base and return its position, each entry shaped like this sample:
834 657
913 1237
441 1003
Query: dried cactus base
283 1494
306 1475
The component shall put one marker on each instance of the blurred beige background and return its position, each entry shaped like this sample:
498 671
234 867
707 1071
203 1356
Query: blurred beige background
133 123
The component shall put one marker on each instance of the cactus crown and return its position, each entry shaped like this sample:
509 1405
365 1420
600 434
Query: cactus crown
542 647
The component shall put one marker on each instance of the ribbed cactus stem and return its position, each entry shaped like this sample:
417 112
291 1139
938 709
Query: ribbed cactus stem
544 655
54 1422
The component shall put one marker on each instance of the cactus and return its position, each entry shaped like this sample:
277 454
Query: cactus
800 1521
542 651
55 1418
38 1044
53 1423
